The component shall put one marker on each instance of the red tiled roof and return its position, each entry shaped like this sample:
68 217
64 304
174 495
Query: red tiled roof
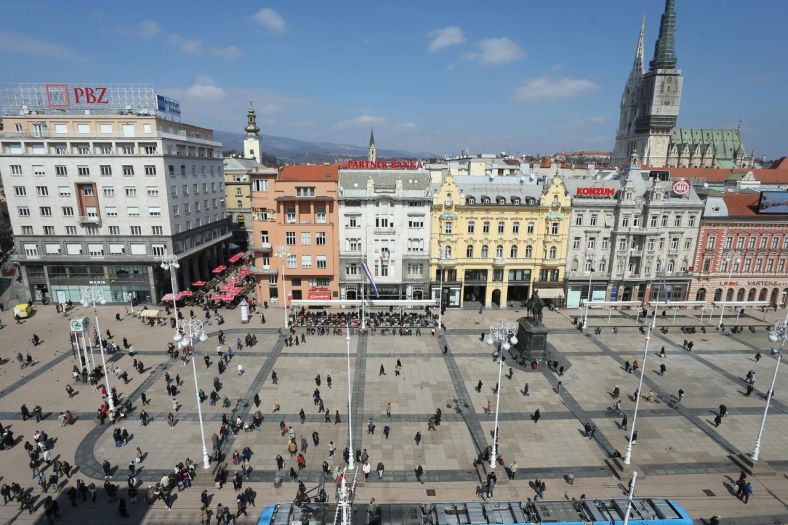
716 175
309 173
772 175
780 164
741 204
546 163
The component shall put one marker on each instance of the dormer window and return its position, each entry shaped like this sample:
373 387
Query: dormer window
470 200
516 200
500 200
485 199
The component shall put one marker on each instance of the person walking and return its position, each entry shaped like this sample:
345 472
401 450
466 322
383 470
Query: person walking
420 473
681 394
624 421
382 371
662 369
513 469
525 390
388 409
747 492
257 400
418 438
536 416
380 469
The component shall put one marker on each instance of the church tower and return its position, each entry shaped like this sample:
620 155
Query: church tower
252 139
625 144
372 154
658 101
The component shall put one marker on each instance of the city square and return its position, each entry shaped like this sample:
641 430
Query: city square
678 451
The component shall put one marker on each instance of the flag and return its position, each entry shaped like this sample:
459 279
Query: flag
365 267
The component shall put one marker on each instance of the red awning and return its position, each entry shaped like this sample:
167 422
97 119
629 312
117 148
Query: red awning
219 269
169 297
235 258
185 293
198 284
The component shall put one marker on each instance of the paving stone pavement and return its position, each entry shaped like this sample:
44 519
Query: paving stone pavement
674 438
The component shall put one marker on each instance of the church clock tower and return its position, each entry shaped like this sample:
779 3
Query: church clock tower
252 139
372 153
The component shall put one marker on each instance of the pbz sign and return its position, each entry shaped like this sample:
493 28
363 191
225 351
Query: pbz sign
62 95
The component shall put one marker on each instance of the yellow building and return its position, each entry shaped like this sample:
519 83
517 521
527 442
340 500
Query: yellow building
497 240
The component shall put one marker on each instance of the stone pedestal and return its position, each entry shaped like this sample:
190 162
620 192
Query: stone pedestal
531 340
752 468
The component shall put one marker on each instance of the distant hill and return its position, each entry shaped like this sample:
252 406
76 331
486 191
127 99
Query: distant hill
299 151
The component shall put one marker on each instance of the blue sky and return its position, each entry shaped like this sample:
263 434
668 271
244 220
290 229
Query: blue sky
519 76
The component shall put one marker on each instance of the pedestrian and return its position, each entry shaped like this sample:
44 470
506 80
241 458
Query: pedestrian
525 390
331 449
336 418
365 468
315 438
328 416
479 386
302 415
681 394
717 420
628 367
328 381
388 409
749 389
662 369
380 470
536 416
624 422
757 357
420 469
488 408
662 352
257 400
274 378
747 492
723 410
418 438
382 370
513 469
386 430
558 387
445 349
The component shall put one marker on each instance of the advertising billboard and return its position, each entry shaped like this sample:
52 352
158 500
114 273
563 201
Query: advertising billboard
773 202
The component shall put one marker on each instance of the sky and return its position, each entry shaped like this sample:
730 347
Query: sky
520 76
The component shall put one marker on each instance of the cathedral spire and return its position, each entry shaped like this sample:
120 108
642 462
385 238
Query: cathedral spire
251 128
664 51
638 65
372 152
371 137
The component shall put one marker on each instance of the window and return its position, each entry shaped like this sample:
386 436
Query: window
114 230
622 244
653 221
185 189
740 242
635 221
158 249
20 191
415 269
306 261
691 220
764 240
45 211
710 242
152 191
650 244
322 263
136 230
71 230
96 250
758 263
471 226
290 238
677 220
291 261
501 226
133 211
83 171
52 249
469 251
150 170
593 220
516 227
49 230
117 249
775 242
781 265
769 265
131 191
352 222
320 238
727 242
664 222
305 191
105 170
499 251
259 184
576 243
578 220
591 243
16 169
306 238
529 252
415 222
39 171
448 227
605 243
127 170
320 215
486 227
553 252
88 191
290 215
554 228
625 222
351 269
61 171
513 252
751 244
68 211
485 252
31 250
154 211
28 230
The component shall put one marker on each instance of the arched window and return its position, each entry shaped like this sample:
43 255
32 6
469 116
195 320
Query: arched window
469 251
740 294
751 294
553 252
574 265
485 199
717 295
701 295
529 252
516 200
620 267
500 200
513 252
602 265
671 265
447 252
485 251
470 200
659 266
762 295
499 251
729 294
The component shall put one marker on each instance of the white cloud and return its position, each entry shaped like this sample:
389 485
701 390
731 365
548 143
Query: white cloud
362 121
550 87
406 125
186 45
148 29
445 37
227 52
270 20
205 92
496 51
27 45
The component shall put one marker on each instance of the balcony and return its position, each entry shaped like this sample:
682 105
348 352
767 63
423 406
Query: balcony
265 270
352 254
499 261
89 219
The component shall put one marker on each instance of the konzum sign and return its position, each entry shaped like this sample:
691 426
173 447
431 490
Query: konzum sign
595 192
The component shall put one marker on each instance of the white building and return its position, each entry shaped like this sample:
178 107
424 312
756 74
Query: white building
98 190
384 219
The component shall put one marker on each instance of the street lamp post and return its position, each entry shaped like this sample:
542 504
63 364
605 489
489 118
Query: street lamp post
628 457
284 254
187 333
170 263
90 296
130 297
592 258
440 294
631 495
349 402
731 258
778 333
501 332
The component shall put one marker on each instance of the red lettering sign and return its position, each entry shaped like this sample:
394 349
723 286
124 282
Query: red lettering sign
319 295
596 192
681 187
383 165
90 95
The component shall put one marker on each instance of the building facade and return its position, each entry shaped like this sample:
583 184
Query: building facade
633 239
496 241
384 220
756 246
294 236
94 199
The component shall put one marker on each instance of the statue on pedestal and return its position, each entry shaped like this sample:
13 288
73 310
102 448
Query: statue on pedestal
534 306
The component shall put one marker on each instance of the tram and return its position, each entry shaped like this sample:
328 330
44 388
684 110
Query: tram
644 511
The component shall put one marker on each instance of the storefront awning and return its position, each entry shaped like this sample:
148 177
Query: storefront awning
551 293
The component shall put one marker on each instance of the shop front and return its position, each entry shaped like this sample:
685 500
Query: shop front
118 283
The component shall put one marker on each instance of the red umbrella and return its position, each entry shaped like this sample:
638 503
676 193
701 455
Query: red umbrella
185 293
198 284
169 298
219 269
217 297
235 258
